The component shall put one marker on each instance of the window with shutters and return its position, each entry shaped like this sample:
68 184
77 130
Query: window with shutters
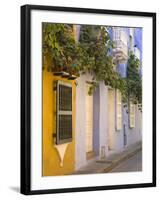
64 112
132 115
118 110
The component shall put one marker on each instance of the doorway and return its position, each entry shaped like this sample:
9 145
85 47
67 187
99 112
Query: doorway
89 123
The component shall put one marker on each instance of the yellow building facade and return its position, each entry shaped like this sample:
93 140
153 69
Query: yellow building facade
58 159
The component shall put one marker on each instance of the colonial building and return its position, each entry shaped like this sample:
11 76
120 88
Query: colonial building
78 127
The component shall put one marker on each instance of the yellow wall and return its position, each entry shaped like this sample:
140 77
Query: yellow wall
51 159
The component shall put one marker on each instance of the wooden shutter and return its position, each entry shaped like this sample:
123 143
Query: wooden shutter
118 110
132 115
64 113
89 120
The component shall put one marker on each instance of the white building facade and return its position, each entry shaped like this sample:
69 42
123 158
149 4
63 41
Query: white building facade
103 124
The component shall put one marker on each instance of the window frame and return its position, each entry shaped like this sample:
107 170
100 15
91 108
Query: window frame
62 112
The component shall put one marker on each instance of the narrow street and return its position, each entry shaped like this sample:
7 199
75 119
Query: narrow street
132 164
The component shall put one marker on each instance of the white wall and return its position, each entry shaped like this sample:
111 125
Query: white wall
80 140
103 118
10 95
101 124
133 134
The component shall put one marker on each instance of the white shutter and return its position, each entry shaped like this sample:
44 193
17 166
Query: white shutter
132 115
118 110
89 120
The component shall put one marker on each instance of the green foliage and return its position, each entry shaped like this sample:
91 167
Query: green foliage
91 54
58 41
96 44
133 88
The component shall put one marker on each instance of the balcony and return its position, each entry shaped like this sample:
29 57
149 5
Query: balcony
120 52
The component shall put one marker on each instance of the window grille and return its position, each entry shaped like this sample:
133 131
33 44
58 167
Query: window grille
64 112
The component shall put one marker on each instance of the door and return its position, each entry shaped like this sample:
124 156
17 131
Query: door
111 119
124 135
89 121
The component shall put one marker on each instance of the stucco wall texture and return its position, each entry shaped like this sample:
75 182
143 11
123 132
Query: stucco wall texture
103 120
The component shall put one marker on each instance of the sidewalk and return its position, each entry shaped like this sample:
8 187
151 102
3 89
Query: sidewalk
107 164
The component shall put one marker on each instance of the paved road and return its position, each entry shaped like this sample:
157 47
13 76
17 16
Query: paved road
132 164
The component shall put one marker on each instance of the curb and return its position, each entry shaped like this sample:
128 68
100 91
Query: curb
118 161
